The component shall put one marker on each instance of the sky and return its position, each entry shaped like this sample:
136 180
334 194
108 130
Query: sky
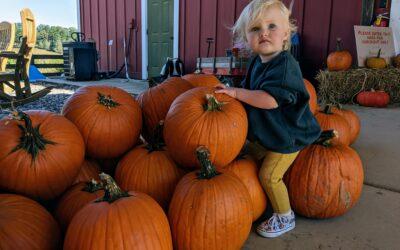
52 12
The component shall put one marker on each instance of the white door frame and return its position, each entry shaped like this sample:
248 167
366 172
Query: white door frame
78 9
145 49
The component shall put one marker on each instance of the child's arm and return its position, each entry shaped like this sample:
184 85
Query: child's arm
256 98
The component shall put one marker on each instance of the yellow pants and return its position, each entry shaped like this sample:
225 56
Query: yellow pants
273 167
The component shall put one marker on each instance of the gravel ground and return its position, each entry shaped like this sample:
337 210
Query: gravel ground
53 101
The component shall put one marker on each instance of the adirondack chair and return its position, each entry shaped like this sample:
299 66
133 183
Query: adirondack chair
20 75
7 36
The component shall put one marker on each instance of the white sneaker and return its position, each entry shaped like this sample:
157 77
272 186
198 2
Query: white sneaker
276 225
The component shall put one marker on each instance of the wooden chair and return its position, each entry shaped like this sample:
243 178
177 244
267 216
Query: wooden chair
7 36
20 75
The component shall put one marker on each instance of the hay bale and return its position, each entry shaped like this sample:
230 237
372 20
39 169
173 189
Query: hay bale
342 86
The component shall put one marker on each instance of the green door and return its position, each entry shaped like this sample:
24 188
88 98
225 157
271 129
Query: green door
160 34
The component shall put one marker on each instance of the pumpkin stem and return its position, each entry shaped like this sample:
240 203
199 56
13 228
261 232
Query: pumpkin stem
338 44
379 53
112 191
31 140
106 101
92 186
156 141
326 137
328 109
213 104
207 170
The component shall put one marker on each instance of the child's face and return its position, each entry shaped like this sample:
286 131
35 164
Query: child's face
266 35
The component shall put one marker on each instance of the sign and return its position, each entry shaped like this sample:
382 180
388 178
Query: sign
370 39
395 23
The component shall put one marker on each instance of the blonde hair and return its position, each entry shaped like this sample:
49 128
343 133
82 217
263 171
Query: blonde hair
253 12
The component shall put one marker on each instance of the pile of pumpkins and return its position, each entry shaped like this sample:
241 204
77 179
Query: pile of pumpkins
341 59
174 177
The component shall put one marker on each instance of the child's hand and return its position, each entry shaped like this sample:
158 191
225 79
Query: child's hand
222 89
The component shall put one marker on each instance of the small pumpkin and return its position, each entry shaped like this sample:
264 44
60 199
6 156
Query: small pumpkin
119 220
331 120
90 169
155 102
201 117
24 224
247 171
379 99
201 80
376 62
352 119
210 210
75 199
325 180
313 96
40 154
339 59
396 61
108 118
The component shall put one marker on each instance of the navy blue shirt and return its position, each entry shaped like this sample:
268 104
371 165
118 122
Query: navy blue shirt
291 126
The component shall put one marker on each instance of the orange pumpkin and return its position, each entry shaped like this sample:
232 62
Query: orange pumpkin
379 99
149 169
340 59
119 220
330 120
89 170
108 118
201 117
210 210
352 119
247 171
75 199
376 62
313 96
155 102
40 154
201 80
24 224
325 180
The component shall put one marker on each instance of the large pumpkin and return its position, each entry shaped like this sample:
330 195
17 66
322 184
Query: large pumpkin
149 169
330 120
108 118
325 180
119 220
210 210
24 224
379 99
40 154
201 117
155 102
201 80
247 171
313 96
90 169
352 119
339 59
75 199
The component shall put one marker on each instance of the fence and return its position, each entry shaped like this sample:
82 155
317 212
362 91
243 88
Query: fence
49 65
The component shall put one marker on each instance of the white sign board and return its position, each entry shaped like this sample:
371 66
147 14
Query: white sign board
395 23
370 39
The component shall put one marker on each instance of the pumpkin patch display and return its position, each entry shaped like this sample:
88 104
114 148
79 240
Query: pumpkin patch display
378 99
201 80
340 59
24 224
376 62
325 180
75 199
210 210
119 220
330 120
40 154
201 117
108 118
247 171
313 96
155 102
